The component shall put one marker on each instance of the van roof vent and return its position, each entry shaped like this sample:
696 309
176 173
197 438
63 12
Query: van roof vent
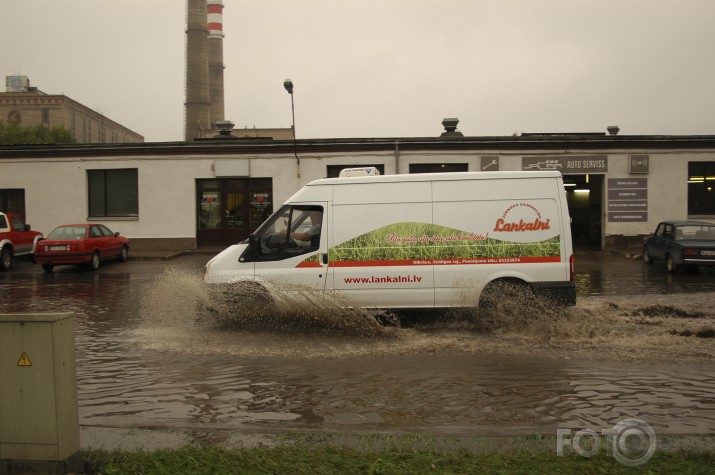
363 171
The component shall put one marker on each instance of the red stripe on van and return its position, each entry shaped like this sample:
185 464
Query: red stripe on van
308 264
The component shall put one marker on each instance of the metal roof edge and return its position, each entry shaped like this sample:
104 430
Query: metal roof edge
222 146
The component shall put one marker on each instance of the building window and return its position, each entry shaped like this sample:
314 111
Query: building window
334 170
13 201
438 167
701 192
113 193
46 116
14 117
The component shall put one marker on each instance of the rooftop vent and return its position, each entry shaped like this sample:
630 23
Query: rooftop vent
364 171
224 128
613 129
450 127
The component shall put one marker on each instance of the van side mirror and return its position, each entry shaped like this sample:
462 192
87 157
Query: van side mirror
27 227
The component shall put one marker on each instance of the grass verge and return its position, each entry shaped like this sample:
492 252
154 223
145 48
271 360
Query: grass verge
331 460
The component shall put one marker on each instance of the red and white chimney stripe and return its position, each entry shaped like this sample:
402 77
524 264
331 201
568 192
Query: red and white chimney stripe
215 18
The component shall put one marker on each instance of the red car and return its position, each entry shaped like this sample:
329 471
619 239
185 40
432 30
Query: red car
87 244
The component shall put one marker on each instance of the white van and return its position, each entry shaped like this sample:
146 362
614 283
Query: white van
412 241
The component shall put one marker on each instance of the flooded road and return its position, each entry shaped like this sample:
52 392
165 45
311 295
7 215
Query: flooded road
149 355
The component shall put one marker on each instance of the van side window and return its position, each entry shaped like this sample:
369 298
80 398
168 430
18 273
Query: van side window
292 231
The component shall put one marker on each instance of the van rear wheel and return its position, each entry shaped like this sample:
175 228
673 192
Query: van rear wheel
504 298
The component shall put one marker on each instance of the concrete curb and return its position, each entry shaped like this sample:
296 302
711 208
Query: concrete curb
169 255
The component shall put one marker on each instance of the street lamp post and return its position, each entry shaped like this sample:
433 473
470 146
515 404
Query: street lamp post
288 85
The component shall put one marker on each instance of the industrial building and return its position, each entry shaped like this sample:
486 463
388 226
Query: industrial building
29 107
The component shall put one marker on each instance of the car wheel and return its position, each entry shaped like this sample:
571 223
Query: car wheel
47 267
670 265
5 259
94 263
124 254
646 257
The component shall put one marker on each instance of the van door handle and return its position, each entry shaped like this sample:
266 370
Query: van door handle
324 259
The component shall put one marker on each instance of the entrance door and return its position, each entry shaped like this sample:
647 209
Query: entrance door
229 209
584 196
235 217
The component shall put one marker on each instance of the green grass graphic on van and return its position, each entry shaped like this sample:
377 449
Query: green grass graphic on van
417 241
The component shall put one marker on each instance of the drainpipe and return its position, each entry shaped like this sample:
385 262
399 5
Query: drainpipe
397 157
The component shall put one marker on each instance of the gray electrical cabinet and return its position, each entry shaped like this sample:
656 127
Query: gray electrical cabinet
38 389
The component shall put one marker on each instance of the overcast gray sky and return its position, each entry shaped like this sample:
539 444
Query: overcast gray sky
384 68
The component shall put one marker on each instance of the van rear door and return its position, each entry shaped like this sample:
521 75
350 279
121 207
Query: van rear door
502 228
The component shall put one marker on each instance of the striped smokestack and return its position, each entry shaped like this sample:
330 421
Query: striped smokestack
197 71
215 52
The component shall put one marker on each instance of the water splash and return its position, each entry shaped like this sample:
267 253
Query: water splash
180 313
289 308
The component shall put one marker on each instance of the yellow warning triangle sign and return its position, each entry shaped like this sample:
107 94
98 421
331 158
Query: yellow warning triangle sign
24 360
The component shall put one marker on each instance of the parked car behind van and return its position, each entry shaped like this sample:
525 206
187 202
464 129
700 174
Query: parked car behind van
84 244
681 245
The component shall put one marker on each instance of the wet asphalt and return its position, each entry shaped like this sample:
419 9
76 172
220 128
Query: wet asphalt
153 363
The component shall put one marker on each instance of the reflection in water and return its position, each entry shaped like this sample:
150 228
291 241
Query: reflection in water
652 281
150 354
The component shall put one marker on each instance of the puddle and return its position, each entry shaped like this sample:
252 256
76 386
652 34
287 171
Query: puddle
151 353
